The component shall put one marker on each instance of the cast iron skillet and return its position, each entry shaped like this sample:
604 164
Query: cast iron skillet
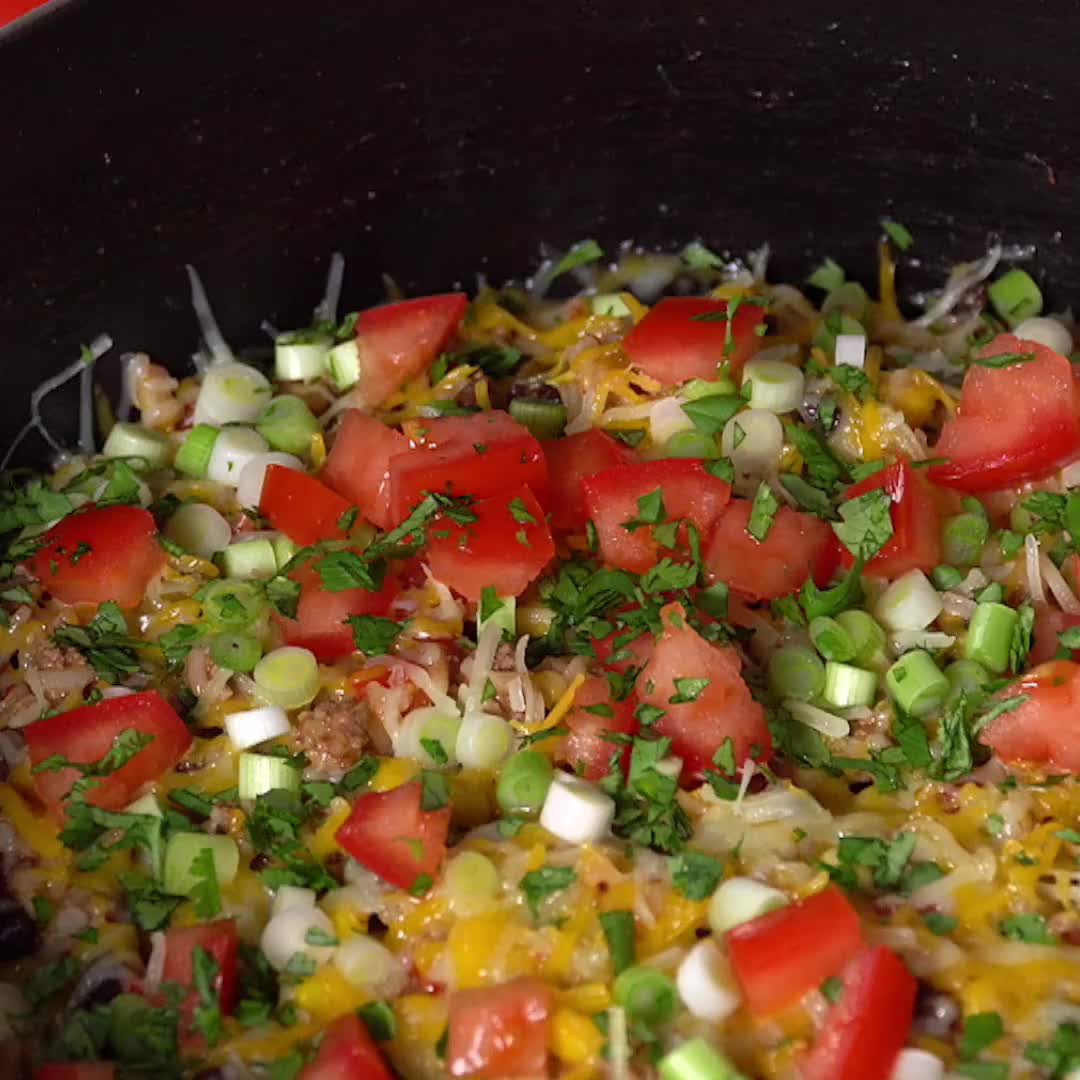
433 140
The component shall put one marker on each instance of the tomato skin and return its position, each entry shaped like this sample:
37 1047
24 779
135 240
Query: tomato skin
76 1070
221 940
86 734
382 831
398 341
585 749
490 550
500 1031
320 624
481 455
301 507
123 556
724 708
1049 622
570 460
798 546
611 496
779 956
1013 423
672 343
347 1052
868 1027
358 465
916 540
1045 729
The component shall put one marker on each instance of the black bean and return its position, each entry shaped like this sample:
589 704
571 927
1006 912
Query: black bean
18 931
936 1013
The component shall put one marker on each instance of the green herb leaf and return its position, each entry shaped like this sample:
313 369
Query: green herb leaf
374 635
828 276
867 523
897 233
762 512
537 885
1005 359
696 875
206 893
1029 927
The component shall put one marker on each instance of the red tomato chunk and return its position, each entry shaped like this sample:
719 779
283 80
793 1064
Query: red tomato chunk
221 940
573 459
347 1052
585 749
358 466
304 509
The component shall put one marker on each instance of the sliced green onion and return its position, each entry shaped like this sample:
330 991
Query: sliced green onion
231 393
831 639
946 577
232 605
483 740
909 603
916 683
618 927
994 593
545 419
300 356
183 848
775 385
610 304
524 780
288 677
963 538
1020 519
288 425
847 686
199 528
284 549
849 299
235 447
690 444
471 883
697 1060
646 994
249 559
152 853
237 652
754 440
966 677
429 735
696 389
866 634
825 338
990 635
500 610
1015 296
260 773
249 727
796 672
128 440
193 457
343 364
740 899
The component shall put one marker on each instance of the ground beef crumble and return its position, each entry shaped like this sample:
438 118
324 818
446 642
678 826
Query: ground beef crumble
334 734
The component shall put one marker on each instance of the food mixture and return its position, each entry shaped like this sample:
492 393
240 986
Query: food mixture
673 679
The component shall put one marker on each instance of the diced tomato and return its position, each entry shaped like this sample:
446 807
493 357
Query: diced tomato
570 460
105 553
358 466
399 341
779 956
585 749
1049 622
507 546
709 714
393 837
76 1070
797 546
1045 728
86 735
689 493
221 940
916 540
618 654
481 455
304 509
868 1027
347 1052
1014 423
321 615
688 337
500 1031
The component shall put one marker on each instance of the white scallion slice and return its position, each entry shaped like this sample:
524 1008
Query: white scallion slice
836 727
1046 331
775 385
483 740
343 364
610 304
909 603
576 810
232 393
471 883
299 357
914 1064
133 440
429 735
288 677
847 686
754 440
199 529
706 983
259 773
292 896
253 726
369 965
740 899
234 448
249 559
250 481
298 932
851 350
181 851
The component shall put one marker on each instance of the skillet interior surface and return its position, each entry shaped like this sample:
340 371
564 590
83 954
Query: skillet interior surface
432 142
